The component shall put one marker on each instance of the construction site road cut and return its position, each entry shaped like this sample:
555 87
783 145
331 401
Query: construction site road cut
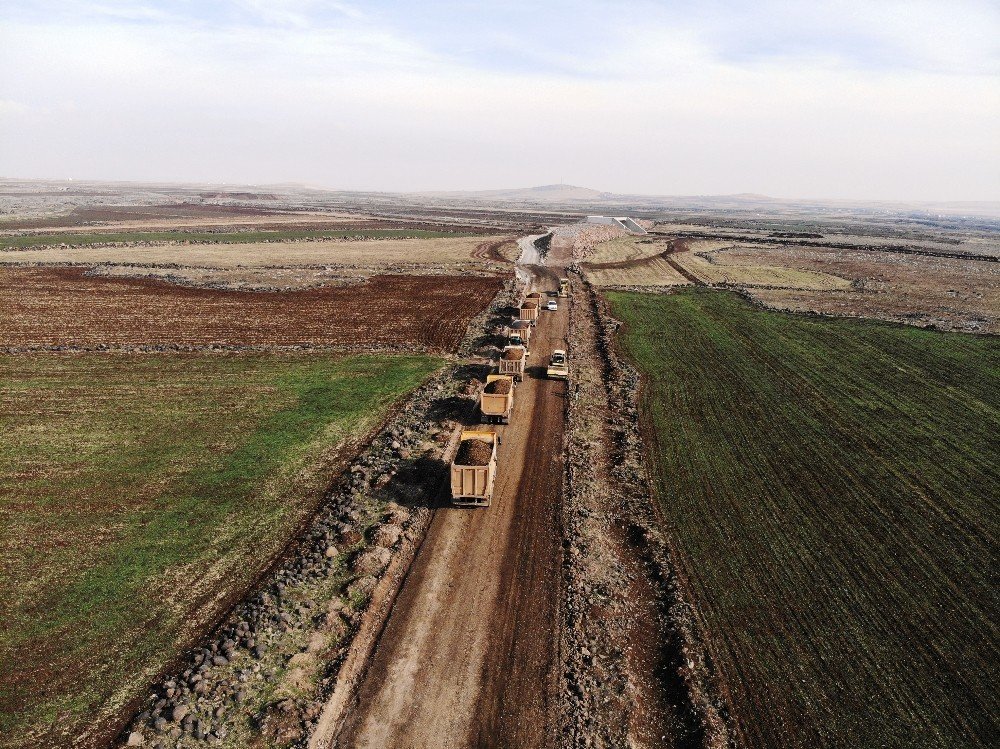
469 653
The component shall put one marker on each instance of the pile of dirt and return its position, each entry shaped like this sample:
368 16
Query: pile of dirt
474 452
529 305
513 353
520 324
498 387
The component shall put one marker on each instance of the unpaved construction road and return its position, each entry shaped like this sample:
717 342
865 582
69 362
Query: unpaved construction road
469 654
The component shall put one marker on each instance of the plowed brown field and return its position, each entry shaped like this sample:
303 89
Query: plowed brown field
49 307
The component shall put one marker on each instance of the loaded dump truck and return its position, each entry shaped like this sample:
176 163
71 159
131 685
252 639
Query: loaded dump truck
512 361
558 366
496 402
529 311
519 332
474 469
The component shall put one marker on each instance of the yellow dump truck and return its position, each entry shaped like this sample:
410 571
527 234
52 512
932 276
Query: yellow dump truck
512 361
558 366
519 333
496 402
473 471
529 311
564 287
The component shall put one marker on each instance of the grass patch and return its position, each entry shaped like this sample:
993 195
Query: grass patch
137 492
831 487
236 237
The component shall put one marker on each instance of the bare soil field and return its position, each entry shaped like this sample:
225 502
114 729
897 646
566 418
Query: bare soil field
651 271
368 253
709 262
948 293
936 280
63 307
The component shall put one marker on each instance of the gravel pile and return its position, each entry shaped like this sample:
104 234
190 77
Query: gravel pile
474 452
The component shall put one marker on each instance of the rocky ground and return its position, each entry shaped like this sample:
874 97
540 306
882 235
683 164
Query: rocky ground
264 674
635 674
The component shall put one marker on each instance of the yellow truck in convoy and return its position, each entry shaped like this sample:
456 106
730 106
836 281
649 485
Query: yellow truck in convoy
558 366
529 311
474 469
496 402
512 361
519 333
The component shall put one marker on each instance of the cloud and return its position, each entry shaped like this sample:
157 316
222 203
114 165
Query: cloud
837 101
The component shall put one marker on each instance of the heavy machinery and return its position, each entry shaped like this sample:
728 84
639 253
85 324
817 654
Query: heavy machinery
564 287
558 366
473 471
496 402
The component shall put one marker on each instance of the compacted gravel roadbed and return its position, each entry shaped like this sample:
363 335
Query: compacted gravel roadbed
469 654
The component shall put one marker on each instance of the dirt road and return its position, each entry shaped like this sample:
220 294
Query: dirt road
469 654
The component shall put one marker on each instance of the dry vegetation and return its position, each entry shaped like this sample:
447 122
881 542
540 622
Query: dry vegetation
440 252
62 307
945 292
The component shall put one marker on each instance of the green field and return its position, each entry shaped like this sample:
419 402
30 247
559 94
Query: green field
136 490
237 237
831 487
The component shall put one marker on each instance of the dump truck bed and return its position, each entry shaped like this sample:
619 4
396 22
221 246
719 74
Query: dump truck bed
496 402
473 472
512 361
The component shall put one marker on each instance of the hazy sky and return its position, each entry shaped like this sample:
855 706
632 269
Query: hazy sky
880 99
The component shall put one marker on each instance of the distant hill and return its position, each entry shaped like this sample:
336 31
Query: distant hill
540 194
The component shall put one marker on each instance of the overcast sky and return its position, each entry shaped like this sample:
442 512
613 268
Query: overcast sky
869 100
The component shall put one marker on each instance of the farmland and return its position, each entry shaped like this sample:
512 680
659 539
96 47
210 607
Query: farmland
829 487
219 237
370 253
142 494
62 307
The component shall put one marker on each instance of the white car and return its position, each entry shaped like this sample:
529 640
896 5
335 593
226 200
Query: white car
551 306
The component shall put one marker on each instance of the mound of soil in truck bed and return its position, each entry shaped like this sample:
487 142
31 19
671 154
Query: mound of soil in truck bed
529 305
513 354
474 452
500 387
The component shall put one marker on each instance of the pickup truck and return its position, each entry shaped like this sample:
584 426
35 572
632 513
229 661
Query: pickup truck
558 366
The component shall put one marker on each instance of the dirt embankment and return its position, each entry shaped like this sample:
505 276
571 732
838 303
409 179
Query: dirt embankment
635 673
